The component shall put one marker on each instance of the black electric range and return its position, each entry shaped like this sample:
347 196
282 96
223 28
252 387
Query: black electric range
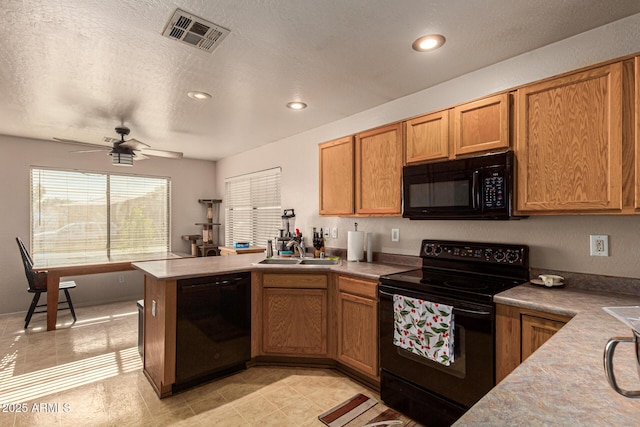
465 276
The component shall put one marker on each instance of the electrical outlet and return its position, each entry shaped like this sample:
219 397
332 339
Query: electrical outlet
334 233
395 234
599 245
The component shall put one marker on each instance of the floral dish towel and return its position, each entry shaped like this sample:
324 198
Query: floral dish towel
424 328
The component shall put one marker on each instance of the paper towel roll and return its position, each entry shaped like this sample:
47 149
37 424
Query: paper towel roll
355 245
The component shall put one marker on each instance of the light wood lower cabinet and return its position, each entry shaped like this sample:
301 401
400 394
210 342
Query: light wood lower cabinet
520 332
358 325
536 330
294 315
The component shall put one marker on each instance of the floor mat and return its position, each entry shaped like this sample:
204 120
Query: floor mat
340 415
363 411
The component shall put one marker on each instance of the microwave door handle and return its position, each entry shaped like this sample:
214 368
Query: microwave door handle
475 192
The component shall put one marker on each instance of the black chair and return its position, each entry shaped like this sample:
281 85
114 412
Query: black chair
38 285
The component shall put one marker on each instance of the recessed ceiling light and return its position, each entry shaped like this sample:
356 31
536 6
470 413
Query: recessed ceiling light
297 105
427 43
198 95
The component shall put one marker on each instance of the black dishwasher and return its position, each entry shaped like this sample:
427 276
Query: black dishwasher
213 328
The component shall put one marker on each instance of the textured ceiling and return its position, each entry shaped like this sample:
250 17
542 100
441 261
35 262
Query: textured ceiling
76 69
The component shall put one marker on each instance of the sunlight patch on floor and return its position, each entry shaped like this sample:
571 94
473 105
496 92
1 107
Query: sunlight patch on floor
44 382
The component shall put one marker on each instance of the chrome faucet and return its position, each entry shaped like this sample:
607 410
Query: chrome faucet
299 246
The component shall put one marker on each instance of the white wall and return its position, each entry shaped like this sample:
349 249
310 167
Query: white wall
190 180
560 243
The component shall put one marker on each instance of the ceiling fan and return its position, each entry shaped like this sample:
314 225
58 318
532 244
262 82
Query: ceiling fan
123 153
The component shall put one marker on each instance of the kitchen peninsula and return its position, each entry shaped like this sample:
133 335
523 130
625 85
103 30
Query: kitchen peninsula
163 278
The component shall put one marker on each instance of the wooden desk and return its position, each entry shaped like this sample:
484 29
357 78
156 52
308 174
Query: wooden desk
55 272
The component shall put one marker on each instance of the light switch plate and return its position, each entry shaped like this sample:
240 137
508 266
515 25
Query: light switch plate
395 234
334 233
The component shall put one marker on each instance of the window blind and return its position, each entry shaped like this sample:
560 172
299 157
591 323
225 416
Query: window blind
82 217
252 207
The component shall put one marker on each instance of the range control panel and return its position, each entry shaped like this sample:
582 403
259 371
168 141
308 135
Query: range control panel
481 252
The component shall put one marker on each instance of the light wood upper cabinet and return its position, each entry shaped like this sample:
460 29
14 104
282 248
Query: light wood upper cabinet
378 180
481 125
427 137
337 177
358 325
569 143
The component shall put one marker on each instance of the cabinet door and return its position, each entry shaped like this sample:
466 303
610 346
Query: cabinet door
379 171
336 177
357 314
358 333
295 321
427 138
637 132
569 143
481 125
535 332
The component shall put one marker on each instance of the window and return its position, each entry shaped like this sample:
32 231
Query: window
84 217
252 207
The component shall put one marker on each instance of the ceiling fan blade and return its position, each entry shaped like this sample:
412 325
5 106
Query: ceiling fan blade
87 144
97 150
139 156
134 144
162 153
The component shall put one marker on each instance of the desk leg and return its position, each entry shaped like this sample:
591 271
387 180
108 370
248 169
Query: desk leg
53 289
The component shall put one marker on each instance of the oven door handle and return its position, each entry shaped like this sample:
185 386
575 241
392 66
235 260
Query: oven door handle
478 313
462 310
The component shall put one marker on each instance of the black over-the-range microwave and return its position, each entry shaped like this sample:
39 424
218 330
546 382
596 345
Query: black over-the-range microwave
478 187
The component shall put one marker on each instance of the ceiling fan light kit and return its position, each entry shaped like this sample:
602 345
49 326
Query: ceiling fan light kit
121 159
123 153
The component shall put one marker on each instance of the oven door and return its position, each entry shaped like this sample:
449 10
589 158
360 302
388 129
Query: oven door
470 376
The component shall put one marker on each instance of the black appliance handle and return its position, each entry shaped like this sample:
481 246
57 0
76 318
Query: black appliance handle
225 282
475 192
476 312
479 313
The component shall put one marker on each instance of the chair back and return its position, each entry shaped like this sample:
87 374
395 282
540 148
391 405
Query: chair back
37 281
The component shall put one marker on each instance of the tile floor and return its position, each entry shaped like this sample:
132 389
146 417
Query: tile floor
90 374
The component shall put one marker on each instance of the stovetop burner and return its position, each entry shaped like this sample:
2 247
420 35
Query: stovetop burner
472 271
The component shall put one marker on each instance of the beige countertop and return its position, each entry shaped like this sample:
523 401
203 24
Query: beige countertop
563 383
206 266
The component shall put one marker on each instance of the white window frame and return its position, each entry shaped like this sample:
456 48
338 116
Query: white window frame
101 249
253 207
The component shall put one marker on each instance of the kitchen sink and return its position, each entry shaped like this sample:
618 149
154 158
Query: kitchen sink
279 261
318 261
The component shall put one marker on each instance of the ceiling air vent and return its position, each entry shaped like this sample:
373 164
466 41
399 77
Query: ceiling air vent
194 31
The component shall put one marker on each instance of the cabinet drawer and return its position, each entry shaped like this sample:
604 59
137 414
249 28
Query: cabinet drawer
365 288
307 281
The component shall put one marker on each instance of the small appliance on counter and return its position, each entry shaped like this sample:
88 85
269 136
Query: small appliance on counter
630 316
287 233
